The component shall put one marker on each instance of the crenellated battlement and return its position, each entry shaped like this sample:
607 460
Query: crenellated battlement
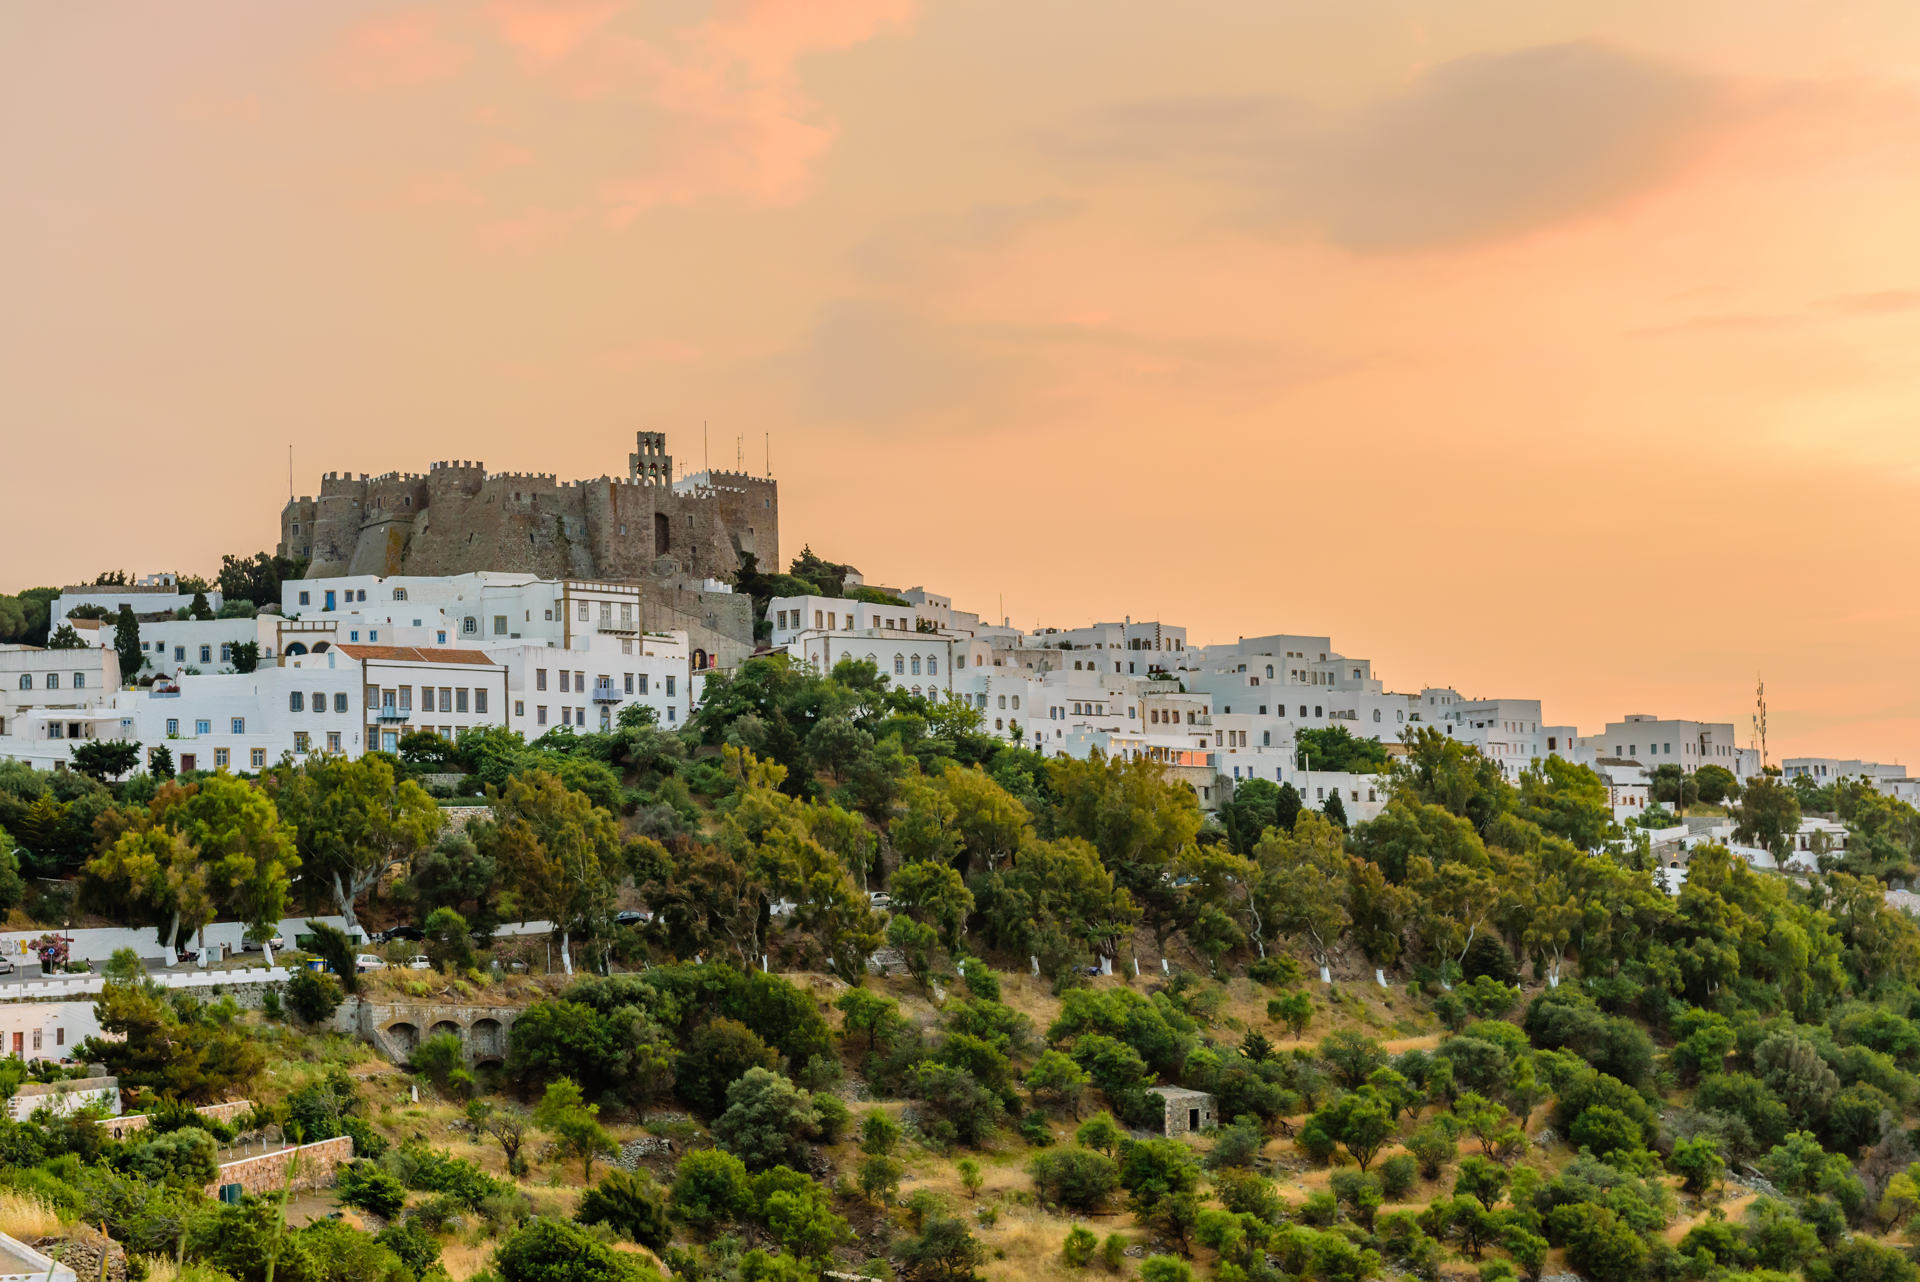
458 517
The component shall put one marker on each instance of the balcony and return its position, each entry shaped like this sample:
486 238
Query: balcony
607 694
394 714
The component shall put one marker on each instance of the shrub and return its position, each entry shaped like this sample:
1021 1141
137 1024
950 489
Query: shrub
1397 1175
630 1205
1113 1251
366 1186
313 996
1079 1246
1078 1179
547 1250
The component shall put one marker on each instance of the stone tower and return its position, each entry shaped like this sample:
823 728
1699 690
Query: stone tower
650 464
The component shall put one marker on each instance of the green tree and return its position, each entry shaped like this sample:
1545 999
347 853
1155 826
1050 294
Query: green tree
767 1120
550 1250
1304 884
631 1205
1768 816
1698 1163
944 1250
126 643
710 1188
574 1124
1057 1079
106 759
716 1057
1078 1179
244 655
65 638
357 820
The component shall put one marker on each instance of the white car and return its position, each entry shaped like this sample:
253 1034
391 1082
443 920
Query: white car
419 961
365 962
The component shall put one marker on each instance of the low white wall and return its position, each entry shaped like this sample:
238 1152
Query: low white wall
100 943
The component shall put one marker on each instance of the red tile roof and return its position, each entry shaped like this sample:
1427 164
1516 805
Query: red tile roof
415 654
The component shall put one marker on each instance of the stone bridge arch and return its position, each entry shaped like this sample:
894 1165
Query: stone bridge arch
396 1029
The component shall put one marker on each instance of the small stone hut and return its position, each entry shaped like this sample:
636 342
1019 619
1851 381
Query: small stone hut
1187 1112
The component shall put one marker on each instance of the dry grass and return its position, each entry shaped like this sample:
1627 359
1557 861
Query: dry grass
163 1269
26 1217
462 1260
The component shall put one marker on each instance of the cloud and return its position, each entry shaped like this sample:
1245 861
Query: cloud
1884 302
546 32
1480 149
400 50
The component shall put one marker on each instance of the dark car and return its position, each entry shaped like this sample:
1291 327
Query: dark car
629 917
412 934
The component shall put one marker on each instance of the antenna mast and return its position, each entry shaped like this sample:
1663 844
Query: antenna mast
1760 722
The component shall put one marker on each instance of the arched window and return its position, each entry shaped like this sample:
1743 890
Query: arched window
296 647
26 681
1016 703
899 665
933 667
871 659
1376 715
399 594
916 665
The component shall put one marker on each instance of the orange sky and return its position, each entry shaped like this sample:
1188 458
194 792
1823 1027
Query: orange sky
1544 350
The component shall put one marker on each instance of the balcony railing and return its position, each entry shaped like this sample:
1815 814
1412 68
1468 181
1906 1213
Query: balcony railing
394 714
607 694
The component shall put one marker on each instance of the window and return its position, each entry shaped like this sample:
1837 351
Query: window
256 757
629 683
916 665
329 604
339 703
26 681
297 702
669 685
226 651
399 594
306 598
79 680
565 680
173 727
540 715
583 612
53 680
221 758
933 667
333 741
643 683
539 678
899 665
301 742
239 725
203 725
446 699
1016 703
1003 701
460 699
469 626
566 715
1376 716
499 625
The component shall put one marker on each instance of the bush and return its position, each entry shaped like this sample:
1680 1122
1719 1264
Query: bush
1432 1147
1397 1175
1079 1246
366 1186
546 1250
709 1188
1078 1179
313 996
1166 1268
631 1205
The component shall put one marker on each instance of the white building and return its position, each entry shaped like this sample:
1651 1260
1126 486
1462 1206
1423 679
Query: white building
156 594
1656 741
585 687
1825 770
172 646
792 616
50 699
45 1030
921 663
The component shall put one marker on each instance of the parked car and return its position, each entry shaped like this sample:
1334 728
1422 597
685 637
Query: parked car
253 945
629 917
880 899
411 934
419 961
364 962
6 966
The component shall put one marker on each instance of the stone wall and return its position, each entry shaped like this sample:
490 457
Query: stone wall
458 518
121 1127
318 1165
